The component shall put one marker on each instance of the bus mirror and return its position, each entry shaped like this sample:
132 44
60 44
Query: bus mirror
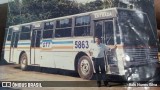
130 6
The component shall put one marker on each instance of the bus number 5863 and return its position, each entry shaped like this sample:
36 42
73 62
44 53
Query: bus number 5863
81 44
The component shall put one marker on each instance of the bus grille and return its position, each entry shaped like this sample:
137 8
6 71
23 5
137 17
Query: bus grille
142 56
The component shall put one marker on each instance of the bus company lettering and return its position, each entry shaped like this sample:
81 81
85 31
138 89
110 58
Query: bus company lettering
102 14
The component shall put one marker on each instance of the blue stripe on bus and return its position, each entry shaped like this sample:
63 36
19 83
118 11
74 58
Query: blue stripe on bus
7 44
63 42
19 43
24 43
47 41
58 42
54 42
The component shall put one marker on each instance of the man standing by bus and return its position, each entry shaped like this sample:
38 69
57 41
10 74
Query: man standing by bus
97 51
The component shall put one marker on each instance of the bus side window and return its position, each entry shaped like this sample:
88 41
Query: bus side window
25 33
9 34
82 26
98 29
63 28
63 32
109 33
48 30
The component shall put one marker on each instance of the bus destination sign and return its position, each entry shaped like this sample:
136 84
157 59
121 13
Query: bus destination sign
104 14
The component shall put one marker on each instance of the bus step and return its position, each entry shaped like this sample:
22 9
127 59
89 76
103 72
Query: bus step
34 65
12 62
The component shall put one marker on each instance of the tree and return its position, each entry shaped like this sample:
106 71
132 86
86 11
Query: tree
34 10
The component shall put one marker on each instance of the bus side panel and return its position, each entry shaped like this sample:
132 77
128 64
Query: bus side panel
28 55
23 46
16 54
37 59
19 51
61 53
65 56
7 52
46 59
65 60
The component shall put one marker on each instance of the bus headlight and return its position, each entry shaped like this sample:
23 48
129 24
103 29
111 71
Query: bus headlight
127 58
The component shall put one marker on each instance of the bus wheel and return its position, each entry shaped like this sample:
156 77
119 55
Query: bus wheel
23 61
85 68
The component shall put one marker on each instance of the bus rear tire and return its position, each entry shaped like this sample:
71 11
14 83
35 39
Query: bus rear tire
23 62
85 68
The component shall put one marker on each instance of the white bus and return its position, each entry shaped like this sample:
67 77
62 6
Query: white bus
64 43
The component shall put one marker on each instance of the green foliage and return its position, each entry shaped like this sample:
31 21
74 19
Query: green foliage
24 11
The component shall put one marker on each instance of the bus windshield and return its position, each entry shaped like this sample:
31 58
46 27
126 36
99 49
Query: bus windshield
136 29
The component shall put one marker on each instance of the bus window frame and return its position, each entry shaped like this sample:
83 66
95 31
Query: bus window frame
25 32
81 26
116 27
120 30
53 29
57 28
12 31
40 28
111 20
114 20
14 37
9 34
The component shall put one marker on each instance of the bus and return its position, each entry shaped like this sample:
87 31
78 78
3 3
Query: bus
64 42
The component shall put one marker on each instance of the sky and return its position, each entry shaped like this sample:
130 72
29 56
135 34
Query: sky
3 1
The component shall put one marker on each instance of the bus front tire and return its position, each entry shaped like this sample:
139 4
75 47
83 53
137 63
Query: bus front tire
85 67
23 61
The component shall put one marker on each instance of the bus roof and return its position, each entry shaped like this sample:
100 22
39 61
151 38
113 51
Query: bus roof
80 14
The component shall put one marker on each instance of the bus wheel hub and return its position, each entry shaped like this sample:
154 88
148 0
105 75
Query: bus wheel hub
85 67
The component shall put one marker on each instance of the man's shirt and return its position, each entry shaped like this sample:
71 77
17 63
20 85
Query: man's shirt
98 50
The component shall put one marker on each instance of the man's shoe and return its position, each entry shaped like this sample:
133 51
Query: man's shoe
99 83
105 83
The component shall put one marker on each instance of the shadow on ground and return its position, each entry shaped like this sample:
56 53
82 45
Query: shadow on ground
51 71
3 62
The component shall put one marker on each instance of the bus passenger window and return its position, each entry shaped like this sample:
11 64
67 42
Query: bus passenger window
63 33
48 30
47 33
9 34
25 36
64 23
9 38
98 28
63 28
82 26
109 33
82 31
25 33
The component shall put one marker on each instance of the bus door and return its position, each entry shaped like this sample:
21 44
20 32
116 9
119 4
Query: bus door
14 43
35 45
105 30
